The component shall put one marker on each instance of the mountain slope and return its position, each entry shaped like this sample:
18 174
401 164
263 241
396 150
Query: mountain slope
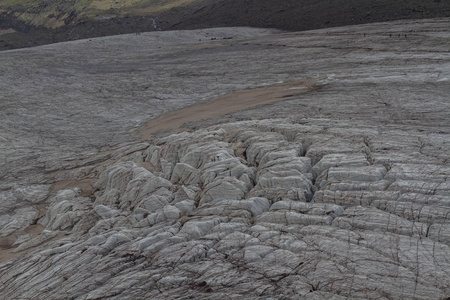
25 23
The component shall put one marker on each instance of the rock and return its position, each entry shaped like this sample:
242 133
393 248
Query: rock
171 212
198 155
195 229
256 253
166 168
414 212
440 233
143 184
370 218
277 187
19 219
295 165
184 174
423 172
281 262
289 218
105 212
153 203
352 198
128 149
422 187
110 198
112 242
257 150
42 238
66 208
340 160
381 185
235 208
186 206
233 242
185 193
343 174
57 250
332 145
146 242
153 154
116 176
230 189
22 195
308 208
224 168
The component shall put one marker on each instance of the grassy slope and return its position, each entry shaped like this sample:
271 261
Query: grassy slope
45 21
56 13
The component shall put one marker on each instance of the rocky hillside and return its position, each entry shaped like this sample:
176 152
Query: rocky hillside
308 165
30 23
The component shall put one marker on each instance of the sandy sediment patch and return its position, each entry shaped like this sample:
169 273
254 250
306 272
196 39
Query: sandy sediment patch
7 243
86 186
235 101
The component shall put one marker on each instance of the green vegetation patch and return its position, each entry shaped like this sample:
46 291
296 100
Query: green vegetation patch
54 13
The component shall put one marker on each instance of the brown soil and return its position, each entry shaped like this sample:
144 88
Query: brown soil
147 166
87 190
6 243
235 101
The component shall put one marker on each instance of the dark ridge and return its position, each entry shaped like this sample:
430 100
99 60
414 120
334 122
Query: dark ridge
294 15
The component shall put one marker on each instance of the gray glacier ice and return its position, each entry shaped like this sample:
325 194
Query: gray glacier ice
192 165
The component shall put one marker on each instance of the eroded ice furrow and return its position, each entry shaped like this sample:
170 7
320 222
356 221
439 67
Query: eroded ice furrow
242 203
